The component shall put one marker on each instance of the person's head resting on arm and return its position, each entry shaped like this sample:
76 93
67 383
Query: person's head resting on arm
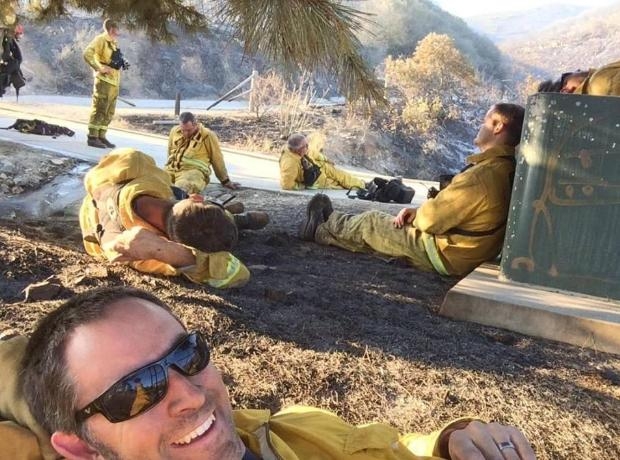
114 374
567 83
501 125
203 226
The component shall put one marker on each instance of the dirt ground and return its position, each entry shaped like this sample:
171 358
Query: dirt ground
351 333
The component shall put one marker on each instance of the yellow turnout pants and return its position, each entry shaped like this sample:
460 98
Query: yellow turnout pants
332 177
103 107
374 231
190 180
21 438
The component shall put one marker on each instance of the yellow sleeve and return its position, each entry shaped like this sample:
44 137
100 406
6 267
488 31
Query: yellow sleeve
217 269
216 158
291 176
21 437
93 51
427 445
453 206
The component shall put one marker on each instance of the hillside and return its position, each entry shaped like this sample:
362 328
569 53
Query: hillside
399 25
516 25
207 66
590 40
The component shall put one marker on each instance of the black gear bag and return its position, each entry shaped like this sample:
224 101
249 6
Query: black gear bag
385 191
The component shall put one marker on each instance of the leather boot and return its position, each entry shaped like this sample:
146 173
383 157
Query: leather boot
106 142
236 207
95 142
251 220
318 211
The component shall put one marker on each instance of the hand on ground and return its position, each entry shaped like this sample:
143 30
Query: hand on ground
232 185
489 441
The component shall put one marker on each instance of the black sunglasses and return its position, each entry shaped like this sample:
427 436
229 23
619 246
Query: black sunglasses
141 390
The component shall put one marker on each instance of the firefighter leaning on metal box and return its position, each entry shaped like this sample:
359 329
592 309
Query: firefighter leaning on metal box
192 150
453 233
126 187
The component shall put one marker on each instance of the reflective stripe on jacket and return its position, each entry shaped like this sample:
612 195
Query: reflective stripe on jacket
202 151
142 177
477 200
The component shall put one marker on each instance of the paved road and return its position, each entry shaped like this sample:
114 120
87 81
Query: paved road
253 170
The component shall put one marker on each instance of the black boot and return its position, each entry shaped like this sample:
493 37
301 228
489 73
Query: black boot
106 142
251 220
318 211
95 142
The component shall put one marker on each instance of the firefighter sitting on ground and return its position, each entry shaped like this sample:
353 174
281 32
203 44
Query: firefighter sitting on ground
130 215
301 153
192 150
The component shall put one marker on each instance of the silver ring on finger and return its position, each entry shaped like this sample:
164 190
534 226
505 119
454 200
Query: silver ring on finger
506 445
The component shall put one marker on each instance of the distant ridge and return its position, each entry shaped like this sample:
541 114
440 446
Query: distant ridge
590 40
514 25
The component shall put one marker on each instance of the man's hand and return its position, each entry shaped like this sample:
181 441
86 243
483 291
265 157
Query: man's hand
104 70
232 185
489 441
404 217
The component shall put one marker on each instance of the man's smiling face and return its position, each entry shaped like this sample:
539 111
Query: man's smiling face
192 421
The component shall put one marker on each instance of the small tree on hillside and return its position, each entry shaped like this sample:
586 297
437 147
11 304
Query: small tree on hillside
427 85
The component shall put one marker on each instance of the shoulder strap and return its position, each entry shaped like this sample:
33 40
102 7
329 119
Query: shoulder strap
458 231
106 201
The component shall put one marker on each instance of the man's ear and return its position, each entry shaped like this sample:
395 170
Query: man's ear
72 447
498 126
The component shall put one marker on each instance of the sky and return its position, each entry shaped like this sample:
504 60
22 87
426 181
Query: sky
475 7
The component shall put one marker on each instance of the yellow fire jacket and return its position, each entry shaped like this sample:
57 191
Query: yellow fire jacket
292 173
142 177
308 433
602 82
200 152
99 53
476 201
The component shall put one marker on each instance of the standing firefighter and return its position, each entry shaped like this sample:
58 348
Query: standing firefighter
106 59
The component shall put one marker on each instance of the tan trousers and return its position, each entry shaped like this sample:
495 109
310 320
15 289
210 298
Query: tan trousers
332 177
190 180
21 438
374 231
102 108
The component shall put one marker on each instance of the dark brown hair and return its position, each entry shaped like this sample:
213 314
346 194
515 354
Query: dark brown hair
206 227
512 115
48 389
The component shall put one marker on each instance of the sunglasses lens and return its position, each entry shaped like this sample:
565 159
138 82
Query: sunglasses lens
190 356
135 393
142 389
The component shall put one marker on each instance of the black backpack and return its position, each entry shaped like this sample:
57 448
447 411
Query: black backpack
39 127
384 191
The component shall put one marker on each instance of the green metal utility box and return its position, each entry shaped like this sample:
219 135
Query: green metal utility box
563 227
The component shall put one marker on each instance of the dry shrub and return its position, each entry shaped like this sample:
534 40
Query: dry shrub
294 107
266 93
424 89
